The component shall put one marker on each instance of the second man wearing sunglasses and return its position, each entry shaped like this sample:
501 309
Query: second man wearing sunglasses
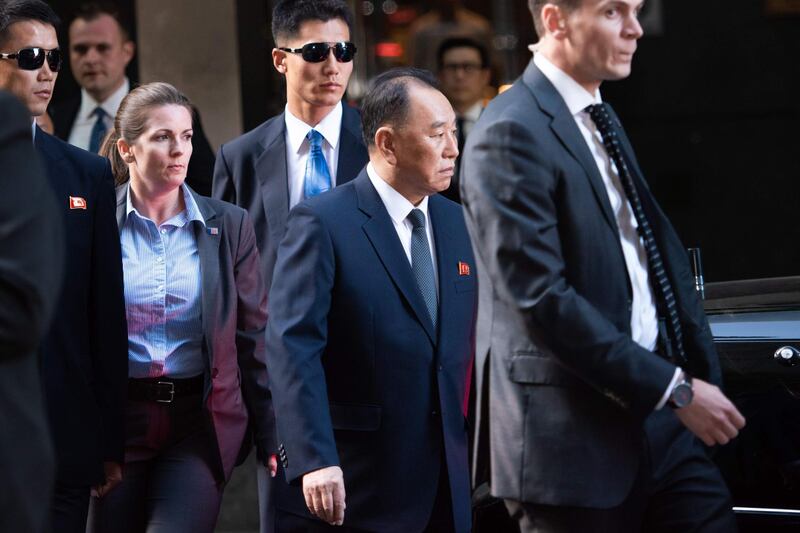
313 146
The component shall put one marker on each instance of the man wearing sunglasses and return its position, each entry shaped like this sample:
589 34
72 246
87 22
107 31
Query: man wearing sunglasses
84 354
313 146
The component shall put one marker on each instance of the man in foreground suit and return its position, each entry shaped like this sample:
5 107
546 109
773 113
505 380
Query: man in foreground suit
270 169
370 331
31 254
589 327
100 49
84 354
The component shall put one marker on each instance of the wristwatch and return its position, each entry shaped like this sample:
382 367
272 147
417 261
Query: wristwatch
682 392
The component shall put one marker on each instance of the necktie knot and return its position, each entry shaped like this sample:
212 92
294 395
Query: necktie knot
99 112
417 218
315 139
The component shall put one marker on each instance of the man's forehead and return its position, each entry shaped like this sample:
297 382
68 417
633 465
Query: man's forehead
31 33
101 27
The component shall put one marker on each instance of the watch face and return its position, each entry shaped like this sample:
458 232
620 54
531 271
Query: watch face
682 395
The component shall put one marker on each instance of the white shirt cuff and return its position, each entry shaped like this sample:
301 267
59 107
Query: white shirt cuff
671 386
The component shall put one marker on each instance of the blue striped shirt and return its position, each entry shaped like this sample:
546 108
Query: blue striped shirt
163 300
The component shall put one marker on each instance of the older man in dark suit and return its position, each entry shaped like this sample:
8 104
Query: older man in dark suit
31 253
601 373
370 331
84 354
313 146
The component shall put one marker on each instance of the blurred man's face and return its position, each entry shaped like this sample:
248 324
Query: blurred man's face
600 40
33 87
98 55
314 84
463 77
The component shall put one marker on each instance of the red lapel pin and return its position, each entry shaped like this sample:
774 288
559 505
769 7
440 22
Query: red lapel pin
463 268
76 202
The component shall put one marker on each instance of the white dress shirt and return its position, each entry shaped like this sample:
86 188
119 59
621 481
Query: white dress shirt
81 133
399 207
298 148
471 116
644 318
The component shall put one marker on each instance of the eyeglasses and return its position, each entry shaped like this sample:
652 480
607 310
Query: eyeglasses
318 52
33 58
468 68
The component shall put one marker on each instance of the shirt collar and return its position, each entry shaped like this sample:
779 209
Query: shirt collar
110 106
329 127
33 130
190 214
473 113
396 204
576 97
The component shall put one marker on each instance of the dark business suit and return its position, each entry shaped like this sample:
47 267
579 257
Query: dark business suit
568 391
31 259
251 172
360 377
201 165
236 399
85 353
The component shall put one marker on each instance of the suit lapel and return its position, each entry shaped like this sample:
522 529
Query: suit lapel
564 127
352 153
208 243
122 199
381 233
272 172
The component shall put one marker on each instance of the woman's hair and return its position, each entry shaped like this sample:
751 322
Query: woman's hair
131 120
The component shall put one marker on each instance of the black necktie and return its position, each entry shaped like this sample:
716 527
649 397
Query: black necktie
602 119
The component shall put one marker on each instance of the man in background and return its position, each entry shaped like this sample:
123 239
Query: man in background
464 74
100 49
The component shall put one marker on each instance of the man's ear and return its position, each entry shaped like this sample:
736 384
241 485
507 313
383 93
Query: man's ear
385 144
129 49
554 20
279 60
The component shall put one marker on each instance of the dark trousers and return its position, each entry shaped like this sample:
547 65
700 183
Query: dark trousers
266 499
678 488
441 520
69 508
169 484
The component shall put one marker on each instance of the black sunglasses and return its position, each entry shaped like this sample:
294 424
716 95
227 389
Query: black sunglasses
318 52
33 58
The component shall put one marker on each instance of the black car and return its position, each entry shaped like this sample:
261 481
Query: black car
756 328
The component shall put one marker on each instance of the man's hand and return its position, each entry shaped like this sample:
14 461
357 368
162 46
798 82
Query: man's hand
711 415
113 477
324 493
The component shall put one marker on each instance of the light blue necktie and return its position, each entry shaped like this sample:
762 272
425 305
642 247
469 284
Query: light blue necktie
422 264
98 130
317 177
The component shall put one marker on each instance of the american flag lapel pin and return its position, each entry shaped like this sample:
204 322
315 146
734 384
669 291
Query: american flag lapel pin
463 268
212 231
76 202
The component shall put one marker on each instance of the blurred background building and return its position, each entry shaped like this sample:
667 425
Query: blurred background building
712 105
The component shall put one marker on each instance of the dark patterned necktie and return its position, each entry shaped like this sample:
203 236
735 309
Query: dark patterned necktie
602 119
422 263
98 130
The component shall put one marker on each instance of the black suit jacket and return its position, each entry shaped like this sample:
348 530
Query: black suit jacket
568 389
251 172
201 164
31 254
360 376
85 353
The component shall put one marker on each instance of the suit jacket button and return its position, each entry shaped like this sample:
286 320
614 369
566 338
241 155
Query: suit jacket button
214 372
434 413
